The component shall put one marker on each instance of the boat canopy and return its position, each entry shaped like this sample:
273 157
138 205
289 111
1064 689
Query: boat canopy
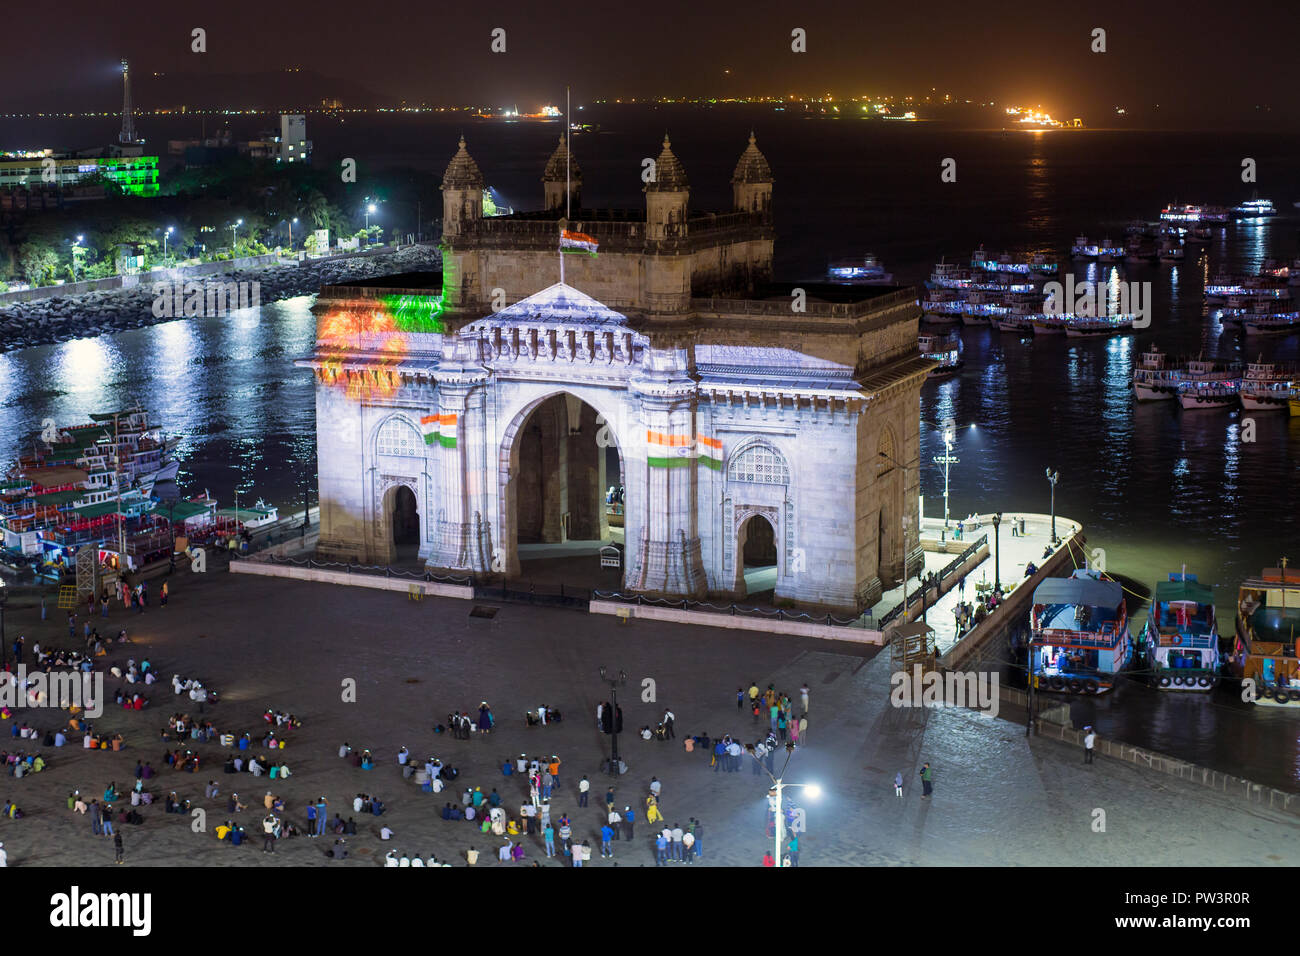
1086 591
1170 591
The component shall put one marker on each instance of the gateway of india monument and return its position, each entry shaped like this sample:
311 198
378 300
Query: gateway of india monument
750 422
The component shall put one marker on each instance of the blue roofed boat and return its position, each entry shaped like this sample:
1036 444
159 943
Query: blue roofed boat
1181 637
1080 635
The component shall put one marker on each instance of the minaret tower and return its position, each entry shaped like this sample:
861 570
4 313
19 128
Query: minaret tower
553 179
462 209
751 183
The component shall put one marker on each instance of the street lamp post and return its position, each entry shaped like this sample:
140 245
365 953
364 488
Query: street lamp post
997 554
4 645
614 759
291 222
370 208
777 793
76 250
1052 477
234 235
946 459
165 236
903 529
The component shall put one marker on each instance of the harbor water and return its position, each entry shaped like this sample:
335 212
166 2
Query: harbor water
1156 488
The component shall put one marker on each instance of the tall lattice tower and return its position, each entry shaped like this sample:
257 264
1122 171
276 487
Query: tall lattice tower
127 136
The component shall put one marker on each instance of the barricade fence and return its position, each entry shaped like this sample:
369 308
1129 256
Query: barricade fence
685 604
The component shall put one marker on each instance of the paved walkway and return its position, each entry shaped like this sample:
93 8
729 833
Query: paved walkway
999 798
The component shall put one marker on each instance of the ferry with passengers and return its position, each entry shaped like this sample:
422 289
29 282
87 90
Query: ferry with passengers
1264 647
1180 639
1080 637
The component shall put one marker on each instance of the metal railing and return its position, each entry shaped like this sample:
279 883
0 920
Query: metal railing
863 621
374 570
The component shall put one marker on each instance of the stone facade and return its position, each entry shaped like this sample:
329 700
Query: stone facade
738 417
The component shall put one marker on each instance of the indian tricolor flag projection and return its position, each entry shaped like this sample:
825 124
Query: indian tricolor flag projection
710 451
577 242
439 430
668 451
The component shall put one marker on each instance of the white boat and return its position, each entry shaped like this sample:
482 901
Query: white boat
1019 318
944 349
1266 387
1155 378
942 307
1203 396
1109 251
1083 326
1171 248
949 275
1083 249
980 307
1254 209
1272 323
865 271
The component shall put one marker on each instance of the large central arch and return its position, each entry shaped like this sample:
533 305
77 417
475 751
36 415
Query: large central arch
551 474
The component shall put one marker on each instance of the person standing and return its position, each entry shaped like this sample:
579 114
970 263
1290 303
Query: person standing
927 782
803 697
584 787
793 847
471 856
606 835
898 785
740 697
321 806
311 820
629 818
774 711
678 835
695 828
117 837
1089 741
661 849
613 819
669 719
96 826
688 846
548 835
609 799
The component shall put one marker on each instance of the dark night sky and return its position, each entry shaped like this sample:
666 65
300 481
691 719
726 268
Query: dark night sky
1222 58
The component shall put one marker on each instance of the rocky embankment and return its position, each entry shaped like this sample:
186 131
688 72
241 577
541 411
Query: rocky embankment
60 318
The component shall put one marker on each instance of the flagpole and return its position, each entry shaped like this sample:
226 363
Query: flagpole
567 191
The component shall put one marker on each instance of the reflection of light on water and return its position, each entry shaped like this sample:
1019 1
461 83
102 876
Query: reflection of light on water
82 365
173 346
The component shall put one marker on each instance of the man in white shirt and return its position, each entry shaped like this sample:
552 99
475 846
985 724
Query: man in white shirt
343 751
760 751
385 833
521 765
669 719
1089 741
356 803
615 822
541 714
584 786
678 836
734 750
402 756
655 786
688 846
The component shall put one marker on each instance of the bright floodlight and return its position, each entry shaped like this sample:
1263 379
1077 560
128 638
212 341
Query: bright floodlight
370 208
813 790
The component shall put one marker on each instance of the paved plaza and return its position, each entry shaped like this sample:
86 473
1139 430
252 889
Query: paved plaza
999 798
